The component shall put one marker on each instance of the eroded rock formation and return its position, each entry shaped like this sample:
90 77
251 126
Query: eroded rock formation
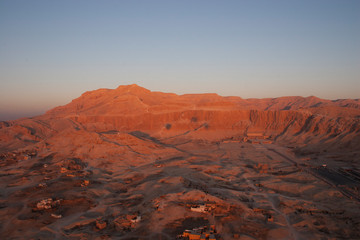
299 121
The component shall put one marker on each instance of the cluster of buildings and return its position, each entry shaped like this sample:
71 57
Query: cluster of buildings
268 216
126 222
18 156
250 137
256 138
201 233
202 208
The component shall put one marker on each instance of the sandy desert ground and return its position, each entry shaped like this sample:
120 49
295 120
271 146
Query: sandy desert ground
150 165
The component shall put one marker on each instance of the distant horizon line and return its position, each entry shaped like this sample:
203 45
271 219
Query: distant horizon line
199 93
15 115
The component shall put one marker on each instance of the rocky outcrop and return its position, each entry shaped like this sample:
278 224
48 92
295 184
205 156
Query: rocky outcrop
132 108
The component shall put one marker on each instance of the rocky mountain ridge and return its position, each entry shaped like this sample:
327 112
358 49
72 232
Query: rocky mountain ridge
329 124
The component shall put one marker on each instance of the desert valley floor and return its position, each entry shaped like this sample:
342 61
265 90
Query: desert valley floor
253 192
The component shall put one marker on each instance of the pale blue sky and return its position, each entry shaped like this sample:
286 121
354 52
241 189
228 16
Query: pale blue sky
52 51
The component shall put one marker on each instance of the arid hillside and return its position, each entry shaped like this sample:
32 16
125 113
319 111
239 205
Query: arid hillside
292 121
128 163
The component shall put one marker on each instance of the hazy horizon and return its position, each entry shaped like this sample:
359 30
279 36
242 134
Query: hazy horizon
51 52
8 116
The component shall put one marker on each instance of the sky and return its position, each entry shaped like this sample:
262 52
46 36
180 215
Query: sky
53 51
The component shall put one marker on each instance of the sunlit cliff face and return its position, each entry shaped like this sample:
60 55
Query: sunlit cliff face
130 108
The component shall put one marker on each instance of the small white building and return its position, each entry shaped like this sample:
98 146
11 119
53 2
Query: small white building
199 208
